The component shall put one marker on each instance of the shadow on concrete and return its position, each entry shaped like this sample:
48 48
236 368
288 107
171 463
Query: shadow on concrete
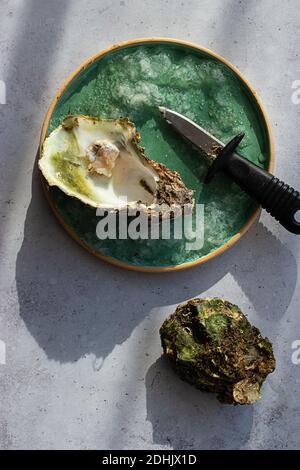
74 304
37 39
182 417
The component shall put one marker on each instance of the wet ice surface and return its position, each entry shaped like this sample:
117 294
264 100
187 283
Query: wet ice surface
134 82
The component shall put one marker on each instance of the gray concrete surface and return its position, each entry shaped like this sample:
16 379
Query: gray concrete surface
83 367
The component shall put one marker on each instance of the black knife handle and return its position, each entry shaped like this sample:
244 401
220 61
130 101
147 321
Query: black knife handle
277 197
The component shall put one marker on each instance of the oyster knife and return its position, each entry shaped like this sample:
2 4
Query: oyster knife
277 197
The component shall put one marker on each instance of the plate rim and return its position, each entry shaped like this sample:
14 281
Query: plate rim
139 41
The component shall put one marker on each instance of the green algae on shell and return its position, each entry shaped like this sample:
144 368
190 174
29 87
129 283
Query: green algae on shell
212 345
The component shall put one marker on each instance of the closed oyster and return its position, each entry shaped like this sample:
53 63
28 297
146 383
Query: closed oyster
212 345
100 162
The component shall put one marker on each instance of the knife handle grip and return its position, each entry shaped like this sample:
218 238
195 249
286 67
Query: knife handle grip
277 197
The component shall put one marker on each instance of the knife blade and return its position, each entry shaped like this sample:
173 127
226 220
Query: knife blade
193 132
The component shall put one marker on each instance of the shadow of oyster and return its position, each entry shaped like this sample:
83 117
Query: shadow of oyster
212 345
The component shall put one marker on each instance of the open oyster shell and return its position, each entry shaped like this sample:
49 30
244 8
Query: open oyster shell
100 162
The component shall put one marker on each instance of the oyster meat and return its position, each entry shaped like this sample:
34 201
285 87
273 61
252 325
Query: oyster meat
212 345
100 162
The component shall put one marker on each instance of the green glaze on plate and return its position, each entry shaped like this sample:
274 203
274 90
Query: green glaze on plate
132 81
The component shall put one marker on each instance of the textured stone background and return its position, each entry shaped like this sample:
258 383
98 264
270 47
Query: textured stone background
83 367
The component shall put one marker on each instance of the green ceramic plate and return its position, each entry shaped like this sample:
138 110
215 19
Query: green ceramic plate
132 79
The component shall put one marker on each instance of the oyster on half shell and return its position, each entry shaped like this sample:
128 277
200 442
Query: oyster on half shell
100 162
